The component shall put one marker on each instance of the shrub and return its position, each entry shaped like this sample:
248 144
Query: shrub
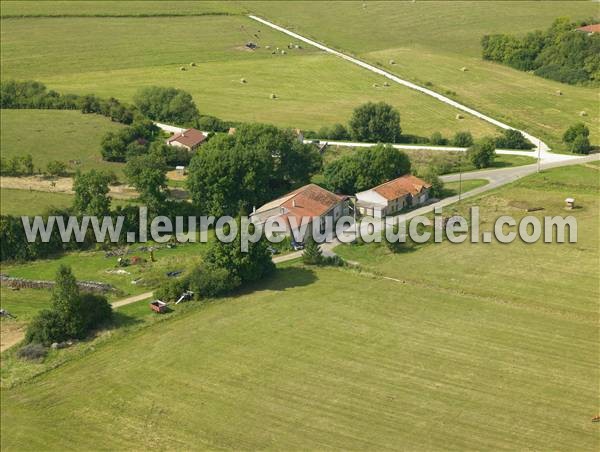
312 254
210 282
482 153
574 131
46 327
513 139
32 352
56 168
462 139
581 145
96 310
438 139
171 290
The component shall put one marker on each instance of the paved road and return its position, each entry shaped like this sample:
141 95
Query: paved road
536 141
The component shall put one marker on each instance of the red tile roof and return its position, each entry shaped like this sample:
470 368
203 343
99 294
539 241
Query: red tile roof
190 138
404 185
307 201
594 28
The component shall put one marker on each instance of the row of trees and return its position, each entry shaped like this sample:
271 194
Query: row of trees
560 53
23 166
31 94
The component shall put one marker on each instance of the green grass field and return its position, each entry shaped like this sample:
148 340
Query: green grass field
25 202
313 89
431 41
483 346
56 135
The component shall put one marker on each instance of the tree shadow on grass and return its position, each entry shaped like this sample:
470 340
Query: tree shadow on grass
282 279
121 320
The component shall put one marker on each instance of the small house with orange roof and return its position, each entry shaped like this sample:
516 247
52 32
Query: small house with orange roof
393 196
189 139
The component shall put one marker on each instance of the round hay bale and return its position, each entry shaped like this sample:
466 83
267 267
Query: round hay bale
267 47
386 84
375 85
242 80
583 113
193 64
464 69
283 52
392 62
459 116
183 68
558 92
273 96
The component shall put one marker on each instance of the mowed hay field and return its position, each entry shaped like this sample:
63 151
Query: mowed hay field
432 41
484 347
64 135
313 89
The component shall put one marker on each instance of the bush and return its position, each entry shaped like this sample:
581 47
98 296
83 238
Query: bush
56 168
210 282
171 290
482 153
431 175
438 139
47 327
32 352
513 139
581 145
574 131
462 139
96 310
312 254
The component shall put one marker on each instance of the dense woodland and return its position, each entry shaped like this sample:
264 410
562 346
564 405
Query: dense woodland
561 53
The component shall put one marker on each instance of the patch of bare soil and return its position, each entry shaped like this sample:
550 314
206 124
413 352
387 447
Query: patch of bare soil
176 175
59 185
11 333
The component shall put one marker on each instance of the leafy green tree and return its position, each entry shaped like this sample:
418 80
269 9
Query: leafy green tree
312 254
234 173
581 145
375 122
46 327
148 174
27 163
91 193
210 282
575 130
431 175
167 104
513 139
67 302
246 266
482 153
366 168
462 139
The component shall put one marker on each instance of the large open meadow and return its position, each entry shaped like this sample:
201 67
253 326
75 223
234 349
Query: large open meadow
313 89
472 346
432 41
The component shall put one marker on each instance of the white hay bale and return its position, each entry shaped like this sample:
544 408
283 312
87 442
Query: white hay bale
375 85
459 116
183 68
242 80
283 52
273 96
392 62
193 64
386 84
267 47
583 113
464 69
559 92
